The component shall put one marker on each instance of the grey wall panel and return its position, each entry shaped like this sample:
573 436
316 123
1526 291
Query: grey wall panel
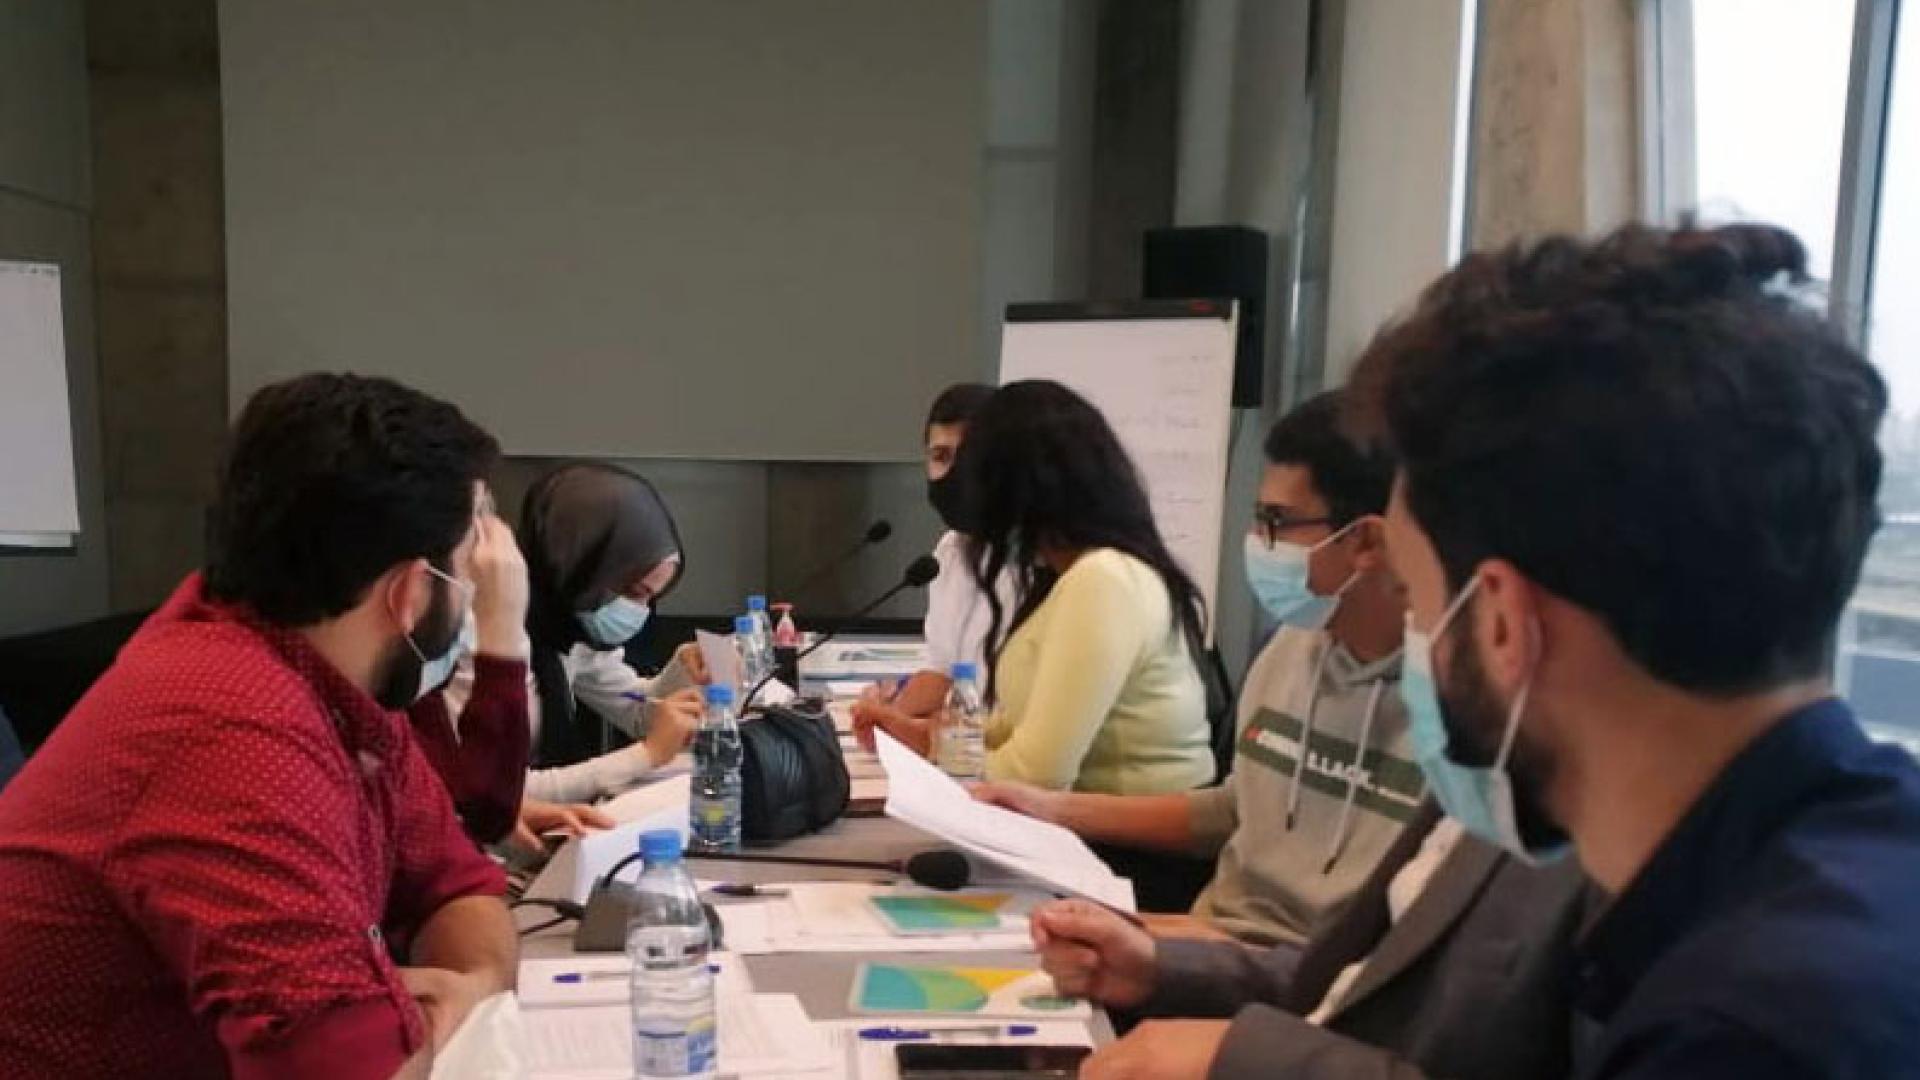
629 228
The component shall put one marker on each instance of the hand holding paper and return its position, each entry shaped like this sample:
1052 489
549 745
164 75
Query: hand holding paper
926 798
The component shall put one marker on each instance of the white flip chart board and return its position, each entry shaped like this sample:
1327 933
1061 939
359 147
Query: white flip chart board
1162 374
38 504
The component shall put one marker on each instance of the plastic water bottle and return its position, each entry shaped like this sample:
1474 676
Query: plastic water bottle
762 625
674 1031
962 750
756 653
715 809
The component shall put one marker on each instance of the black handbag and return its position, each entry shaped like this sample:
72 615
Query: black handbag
793 779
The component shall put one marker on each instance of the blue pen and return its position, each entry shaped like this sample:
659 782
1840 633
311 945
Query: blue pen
574 978
894 1034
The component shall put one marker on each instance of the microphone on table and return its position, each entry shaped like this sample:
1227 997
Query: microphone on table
603 922
920 573
940 868
877 533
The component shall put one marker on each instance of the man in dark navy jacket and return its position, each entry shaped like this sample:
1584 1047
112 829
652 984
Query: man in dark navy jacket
1638 479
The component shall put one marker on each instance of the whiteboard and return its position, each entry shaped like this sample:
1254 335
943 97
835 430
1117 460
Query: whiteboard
1161 372
38 504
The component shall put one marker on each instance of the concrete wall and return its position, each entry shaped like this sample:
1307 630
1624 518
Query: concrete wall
1555 144
45 206
160 270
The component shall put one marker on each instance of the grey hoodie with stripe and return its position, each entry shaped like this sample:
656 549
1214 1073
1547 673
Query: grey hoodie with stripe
1297 839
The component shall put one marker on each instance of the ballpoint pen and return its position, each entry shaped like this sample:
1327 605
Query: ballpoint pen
897 1034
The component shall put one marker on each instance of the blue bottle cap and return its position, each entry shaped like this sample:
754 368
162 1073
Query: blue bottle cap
964 669
756 602
743 624
719 695
660 846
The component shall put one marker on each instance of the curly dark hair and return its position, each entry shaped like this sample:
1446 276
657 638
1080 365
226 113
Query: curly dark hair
330 480
1354 476
1042 467
1657 426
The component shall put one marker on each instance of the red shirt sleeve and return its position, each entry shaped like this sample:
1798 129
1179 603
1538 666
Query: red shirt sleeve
484 767
251 867
436 860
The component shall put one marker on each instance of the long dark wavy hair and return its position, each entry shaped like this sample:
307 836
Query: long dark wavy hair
1041 468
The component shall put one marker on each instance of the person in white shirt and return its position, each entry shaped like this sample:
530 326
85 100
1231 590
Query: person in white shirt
957 613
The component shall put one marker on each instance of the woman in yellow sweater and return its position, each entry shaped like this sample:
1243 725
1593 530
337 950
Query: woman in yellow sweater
1095 684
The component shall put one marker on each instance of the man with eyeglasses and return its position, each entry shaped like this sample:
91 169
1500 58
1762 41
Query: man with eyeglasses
1323 779
231 858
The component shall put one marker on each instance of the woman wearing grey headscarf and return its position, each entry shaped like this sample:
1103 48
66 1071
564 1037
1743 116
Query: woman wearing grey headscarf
600 549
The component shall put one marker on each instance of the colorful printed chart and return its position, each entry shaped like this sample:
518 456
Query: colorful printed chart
962 991
959 913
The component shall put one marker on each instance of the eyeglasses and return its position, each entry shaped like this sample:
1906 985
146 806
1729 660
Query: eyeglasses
1270 522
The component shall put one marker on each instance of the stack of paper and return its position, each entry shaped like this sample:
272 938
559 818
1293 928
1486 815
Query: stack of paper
928 799
576 1022
760 1035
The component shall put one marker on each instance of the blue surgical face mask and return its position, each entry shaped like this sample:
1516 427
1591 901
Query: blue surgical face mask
1278 575
615 622
1480 799
435 671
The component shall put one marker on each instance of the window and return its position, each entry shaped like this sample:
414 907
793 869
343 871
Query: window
1806 113
1770 106
1880 649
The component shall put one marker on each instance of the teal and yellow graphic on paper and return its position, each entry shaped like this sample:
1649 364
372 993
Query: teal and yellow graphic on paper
940 914
963 991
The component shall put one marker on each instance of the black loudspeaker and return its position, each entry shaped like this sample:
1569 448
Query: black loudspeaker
1223 262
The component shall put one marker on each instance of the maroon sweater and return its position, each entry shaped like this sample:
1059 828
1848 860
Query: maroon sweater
485 765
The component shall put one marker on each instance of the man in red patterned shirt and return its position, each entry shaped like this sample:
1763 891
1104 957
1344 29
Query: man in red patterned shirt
231 858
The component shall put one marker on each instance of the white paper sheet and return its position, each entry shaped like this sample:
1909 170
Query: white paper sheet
928 799
489 1044
723 660
760 1034
661 805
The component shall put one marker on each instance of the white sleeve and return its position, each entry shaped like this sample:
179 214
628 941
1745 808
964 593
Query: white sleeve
950 600
602 682
608 774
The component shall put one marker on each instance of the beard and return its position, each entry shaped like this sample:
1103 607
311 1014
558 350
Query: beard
399 681
1476 721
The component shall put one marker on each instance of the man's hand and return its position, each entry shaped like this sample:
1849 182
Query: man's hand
499 590
539 819
1021 799
1094 953
1159 1050
446 997
872 710
693 662
671 722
